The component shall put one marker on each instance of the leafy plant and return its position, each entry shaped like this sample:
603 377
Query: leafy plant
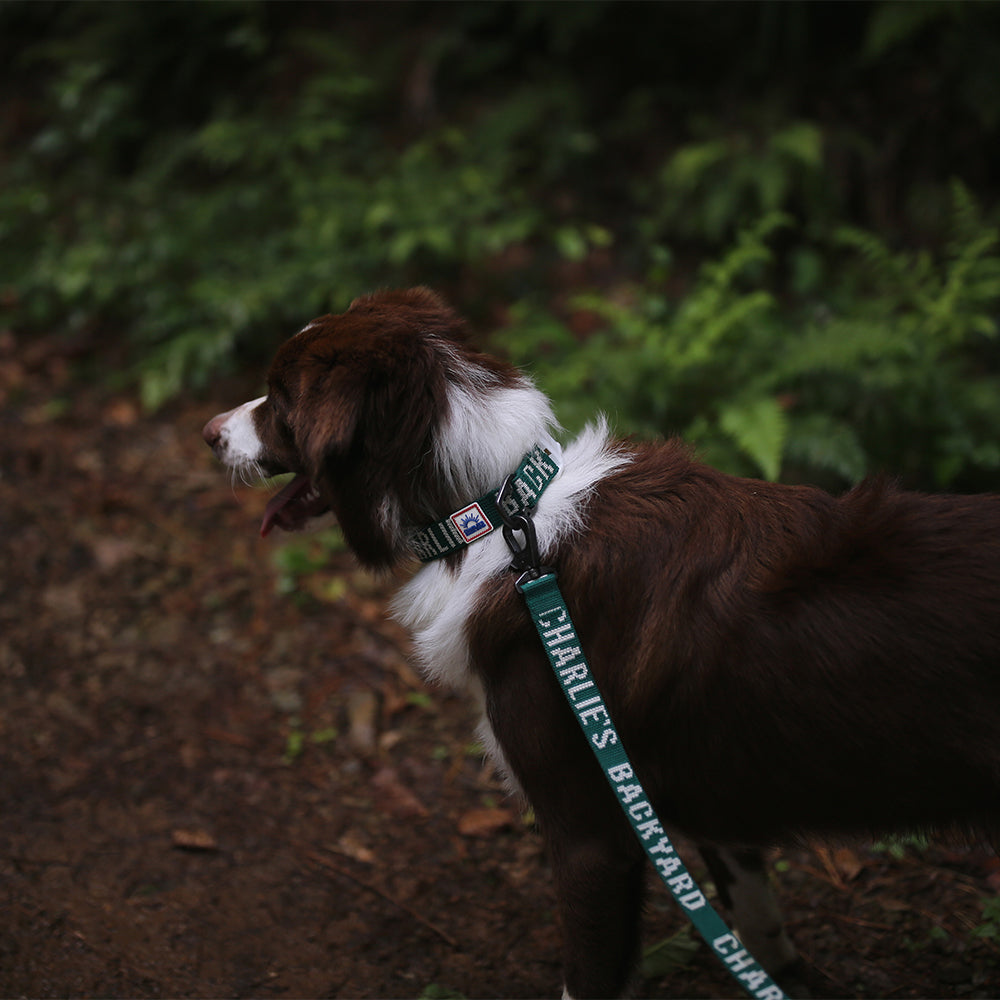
304 556
436 992
672 954
907 359
710 188
232 231
990 926
897 369
299 738
661 367
267 163
897 847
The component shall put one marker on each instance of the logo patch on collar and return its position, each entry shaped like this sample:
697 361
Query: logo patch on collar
471 522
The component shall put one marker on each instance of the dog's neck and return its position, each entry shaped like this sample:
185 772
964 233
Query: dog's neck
517 495
486 432
483 437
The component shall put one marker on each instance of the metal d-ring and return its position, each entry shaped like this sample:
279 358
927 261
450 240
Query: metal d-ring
525 554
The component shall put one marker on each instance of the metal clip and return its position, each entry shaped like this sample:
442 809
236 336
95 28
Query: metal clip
503 495
526 553
526 559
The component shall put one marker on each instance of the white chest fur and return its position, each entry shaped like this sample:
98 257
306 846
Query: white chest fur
437 603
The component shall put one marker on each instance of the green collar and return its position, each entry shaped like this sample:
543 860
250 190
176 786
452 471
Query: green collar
537 469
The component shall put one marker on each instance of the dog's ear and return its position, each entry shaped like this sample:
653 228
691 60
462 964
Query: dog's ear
327 416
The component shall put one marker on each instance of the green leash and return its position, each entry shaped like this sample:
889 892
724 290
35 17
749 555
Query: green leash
512 506
562 646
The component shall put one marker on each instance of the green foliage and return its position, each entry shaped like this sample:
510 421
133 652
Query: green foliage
436 992
990 926
255 220
199 181
695 366
298 739
909 358
708 189
308 557
897 847
671 955
898 369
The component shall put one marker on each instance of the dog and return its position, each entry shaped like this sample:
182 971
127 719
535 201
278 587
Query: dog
779 662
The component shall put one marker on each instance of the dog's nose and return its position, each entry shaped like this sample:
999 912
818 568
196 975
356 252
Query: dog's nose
212 431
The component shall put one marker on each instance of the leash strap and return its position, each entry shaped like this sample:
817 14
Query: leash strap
562 646
537 469
510 508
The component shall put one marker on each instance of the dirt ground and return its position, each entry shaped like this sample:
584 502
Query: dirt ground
219 776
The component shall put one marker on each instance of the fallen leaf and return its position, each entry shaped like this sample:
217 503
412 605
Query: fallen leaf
65 709
111 551
225 736
482 822
395 797
351 847
65 600
895 905
121 412
848 863
841 866
194 840
362 711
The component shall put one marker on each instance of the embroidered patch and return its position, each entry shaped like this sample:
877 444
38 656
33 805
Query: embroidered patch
471 522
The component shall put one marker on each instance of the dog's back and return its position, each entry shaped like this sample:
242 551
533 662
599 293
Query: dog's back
777 661
784 662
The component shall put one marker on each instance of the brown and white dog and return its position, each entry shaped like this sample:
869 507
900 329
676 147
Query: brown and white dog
778 662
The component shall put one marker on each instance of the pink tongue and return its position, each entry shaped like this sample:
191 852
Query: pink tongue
292 506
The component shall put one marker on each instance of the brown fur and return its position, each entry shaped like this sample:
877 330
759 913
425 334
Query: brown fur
778 661
353 401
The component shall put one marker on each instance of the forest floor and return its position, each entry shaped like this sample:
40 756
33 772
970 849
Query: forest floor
220 776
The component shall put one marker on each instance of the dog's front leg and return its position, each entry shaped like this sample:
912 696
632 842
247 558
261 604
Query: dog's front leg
599 892
597 862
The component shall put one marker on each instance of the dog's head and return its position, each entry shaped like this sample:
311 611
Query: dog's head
384 415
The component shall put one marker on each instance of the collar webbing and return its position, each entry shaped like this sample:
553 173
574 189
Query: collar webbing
563 649
537 469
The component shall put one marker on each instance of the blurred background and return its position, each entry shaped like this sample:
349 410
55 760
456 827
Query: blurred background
770 227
